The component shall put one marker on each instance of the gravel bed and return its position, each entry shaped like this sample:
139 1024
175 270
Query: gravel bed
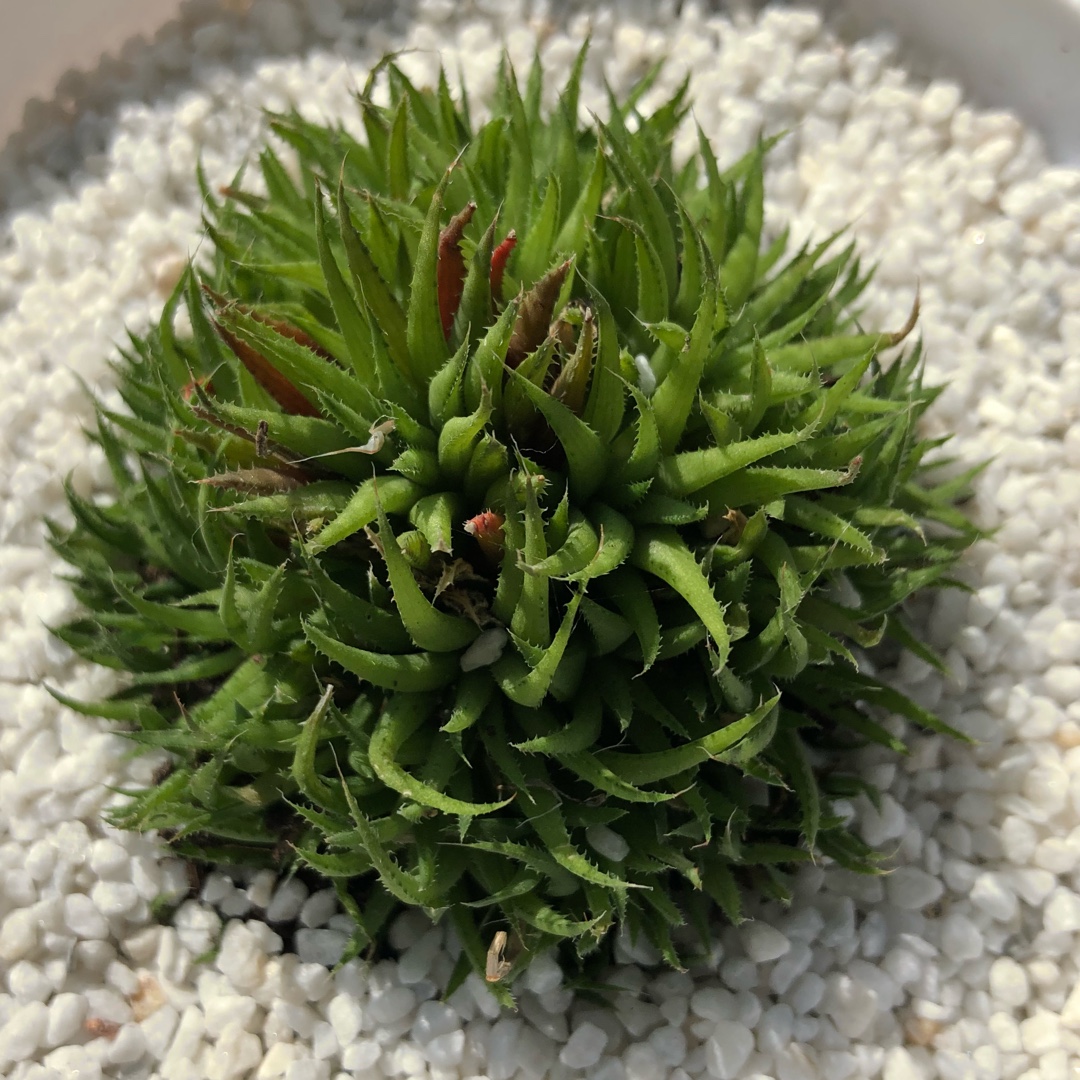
961 963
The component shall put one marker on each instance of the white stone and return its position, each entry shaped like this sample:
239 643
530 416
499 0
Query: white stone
1009 982
241 958
433 1018
113 898
1041 1033
360 1055
287 901
669 1044
128 1045
543 974
308 1069
82 917
1018 839
763 942
910 888
607 842
73 1061
415 962
346 1017
1062 912
108 858
24 1032
318 908
325 947
391 1005
158 1030
641 1063
584 1047
261 888
324 1042
901 1065
806 993
991 894
226 1009
312 980
776 1028
27 982
502 1051
713 1003
445 1051
277 1060
727 1049
1070 1013
960 937
66 1014
850 1005
18 935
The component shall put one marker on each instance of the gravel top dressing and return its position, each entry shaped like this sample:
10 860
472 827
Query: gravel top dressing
962 962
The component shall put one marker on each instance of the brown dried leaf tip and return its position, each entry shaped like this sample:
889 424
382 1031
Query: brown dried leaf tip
534 314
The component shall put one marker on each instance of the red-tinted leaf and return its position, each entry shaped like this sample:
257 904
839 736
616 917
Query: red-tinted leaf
451 267
268 376
203 383
499 258
487 528
286 329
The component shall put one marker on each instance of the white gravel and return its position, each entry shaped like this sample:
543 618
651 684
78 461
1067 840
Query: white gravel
962 964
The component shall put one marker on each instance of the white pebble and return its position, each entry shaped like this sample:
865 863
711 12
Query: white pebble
66 1014
900 1064
346 1017
960 938
1009 982
392 1004
241 957
24 1031
287 901
1062 912
318 908
910 888
325 947
445 1051
83 918
543 974
763 942
727 1049
607 842
584 1047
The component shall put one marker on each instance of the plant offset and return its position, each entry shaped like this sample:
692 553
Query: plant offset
496 540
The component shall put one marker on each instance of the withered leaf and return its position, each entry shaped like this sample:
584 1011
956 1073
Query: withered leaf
534 314
258 481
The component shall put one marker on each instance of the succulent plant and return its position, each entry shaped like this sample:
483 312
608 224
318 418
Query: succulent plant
496 537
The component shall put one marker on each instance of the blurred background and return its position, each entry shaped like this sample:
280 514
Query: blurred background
1020 54
44 39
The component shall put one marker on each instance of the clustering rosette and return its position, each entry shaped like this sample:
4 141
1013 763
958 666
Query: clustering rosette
500 534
